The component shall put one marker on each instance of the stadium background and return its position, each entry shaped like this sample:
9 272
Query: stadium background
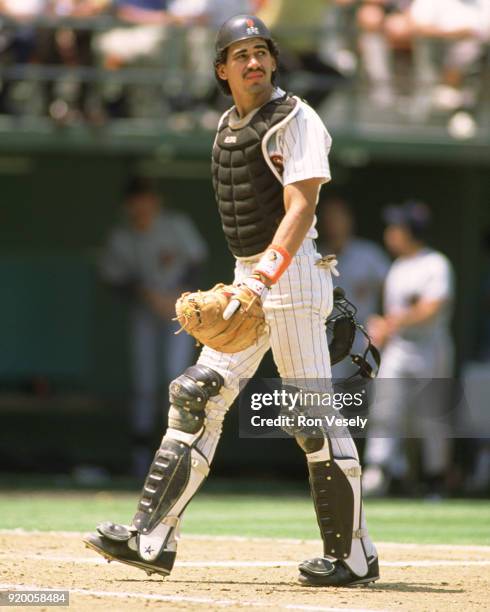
65 384
64 362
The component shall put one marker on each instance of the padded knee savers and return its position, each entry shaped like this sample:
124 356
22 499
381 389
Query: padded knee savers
189 394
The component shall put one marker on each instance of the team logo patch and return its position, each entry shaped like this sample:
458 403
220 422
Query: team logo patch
251 27
278 162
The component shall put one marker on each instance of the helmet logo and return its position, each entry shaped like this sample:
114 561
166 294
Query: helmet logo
252 28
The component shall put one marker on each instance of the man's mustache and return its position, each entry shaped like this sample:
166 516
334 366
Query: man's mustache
254 70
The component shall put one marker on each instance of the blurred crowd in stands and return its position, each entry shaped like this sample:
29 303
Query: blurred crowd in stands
425 55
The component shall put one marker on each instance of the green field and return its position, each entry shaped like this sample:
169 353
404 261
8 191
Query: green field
272 512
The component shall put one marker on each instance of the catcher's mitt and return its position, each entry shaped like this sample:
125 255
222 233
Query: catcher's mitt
200 314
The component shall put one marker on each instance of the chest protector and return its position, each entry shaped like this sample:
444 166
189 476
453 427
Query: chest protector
249 194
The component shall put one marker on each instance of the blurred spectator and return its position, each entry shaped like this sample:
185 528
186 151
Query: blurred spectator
211 12
202 18
299 29
384 27
150 258
362 265
144 39
23 10
417 355
68 98
146 42
450 36
17 44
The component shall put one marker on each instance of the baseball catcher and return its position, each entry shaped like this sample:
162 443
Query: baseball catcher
269 161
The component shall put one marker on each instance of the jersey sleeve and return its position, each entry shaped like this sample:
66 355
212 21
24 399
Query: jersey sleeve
438 284
304 145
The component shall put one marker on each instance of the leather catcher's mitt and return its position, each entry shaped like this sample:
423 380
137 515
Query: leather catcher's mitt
200 314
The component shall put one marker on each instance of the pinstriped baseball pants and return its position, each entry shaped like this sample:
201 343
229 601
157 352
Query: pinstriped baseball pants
296 309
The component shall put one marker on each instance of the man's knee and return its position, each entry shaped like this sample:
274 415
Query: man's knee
189 394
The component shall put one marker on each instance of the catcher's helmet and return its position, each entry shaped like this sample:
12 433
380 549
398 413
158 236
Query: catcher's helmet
238 28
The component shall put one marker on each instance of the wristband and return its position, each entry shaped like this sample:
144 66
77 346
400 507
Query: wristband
273 263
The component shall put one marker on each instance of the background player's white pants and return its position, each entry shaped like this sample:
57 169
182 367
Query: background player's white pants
406 368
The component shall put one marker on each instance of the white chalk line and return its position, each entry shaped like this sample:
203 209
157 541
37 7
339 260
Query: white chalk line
233 563
224 538
225 603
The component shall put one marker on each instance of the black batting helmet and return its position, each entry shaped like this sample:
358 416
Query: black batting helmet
240 27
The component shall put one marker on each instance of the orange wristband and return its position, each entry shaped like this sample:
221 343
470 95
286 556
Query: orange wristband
273 263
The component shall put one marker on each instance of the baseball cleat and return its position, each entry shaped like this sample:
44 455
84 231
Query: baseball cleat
118 543
322 572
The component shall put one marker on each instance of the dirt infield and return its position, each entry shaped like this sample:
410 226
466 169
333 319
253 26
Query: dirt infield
234 573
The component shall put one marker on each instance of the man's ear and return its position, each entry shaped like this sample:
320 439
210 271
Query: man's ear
221 72
274 64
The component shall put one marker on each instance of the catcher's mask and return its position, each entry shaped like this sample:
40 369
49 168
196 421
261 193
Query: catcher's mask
343 325
241 27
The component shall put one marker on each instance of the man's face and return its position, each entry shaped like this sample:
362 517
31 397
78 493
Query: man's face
142 210
249 66
398 240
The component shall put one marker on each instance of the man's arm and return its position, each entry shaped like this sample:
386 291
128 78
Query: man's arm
421 312
300 200
382 328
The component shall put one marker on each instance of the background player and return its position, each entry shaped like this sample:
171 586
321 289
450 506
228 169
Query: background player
361 283
150 258
270 158
418 348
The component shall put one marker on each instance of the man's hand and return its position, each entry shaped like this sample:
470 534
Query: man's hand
378 330
256 284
